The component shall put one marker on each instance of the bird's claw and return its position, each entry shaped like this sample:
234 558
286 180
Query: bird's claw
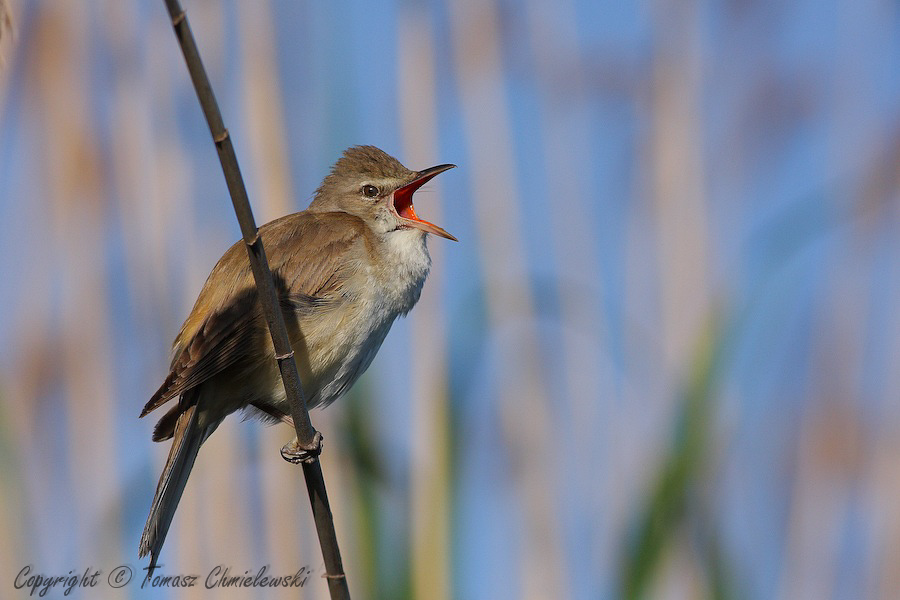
296 454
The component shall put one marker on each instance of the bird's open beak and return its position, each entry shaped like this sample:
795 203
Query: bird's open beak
402 202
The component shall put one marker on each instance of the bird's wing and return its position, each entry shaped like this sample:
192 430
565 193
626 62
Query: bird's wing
225 326
223 338
316 269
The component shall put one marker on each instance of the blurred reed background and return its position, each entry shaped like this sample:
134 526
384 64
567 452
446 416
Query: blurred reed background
663 361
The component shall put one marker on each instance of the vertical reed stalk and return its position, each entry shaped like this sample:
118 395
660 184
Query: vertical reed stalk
431 479
308 439
527 422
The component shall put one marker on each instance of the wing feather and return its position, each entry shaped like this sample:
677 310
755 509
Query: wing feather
309 254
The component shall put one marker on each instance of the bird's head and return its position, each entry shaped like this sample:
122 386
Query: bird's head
374 186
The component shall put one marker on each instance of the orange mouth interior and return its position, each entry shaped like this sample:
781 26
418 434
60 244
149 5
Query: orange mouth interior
403 202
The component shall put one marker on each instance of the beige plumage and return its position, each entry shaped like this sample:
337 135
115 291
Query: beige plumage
344 270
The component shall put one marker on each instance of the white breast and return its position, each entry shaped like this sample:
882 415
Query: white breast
402 274
389 289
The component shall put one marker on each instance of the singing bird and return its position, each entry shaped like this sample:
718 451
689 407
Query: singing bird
344 270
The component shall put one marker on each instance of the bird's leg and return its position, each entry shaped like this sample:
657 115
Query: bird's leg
293 452
277 415
296 454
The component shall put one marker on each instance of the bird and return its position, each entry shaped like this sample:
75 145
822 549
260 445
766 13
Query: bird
344 270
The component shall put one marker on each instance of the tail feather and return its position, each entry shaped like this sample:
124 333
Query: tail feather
165 428
185 445
162 395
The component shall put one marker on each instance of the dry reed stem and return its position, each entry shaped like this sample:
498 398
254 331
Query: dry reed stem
430 478
528 424
308 439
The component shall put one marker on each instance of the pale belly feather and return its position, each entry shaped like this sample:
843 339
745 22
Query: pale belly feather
339 344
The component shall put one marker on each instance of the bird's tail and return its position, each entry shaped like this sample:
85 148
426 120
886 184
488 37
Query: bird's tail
185 445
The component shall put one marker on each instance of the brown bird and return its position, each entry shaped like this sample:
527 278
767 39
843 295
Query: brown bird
344 269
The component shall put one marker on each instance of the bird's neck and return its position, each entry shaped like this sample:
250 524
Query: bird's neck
404 264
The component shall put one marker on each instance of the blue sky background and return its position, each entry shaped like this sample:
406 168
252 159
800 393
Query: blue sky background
640 185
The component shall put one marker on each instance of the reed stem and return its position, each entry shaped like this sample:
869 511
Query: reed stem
308 439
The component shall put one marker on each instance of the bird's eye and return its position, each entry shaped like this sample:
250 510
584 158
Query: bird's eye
369 191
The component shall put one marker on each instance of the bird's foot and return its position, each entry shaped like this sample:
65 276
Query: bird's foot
294 453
